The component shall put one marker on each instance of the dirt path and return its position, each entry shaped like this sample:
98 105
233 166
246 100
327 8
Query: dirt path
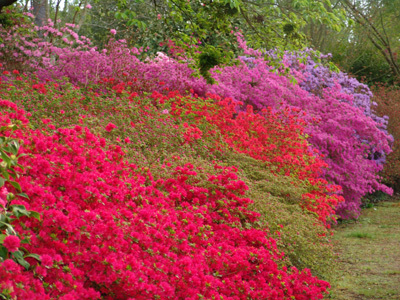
369 255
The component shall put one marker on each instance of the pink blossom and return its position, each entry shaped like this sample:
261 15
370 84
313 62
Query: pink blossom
3 198
88 6
47 261
11 243
110 127
113 31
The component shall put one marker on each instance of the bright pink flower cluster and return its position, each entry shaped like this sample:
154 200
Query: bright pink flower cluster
110 231
12 243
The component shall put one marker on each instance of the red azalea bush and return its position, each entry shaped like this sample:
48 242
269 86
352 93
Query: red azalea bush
275 138
111 231
153 129
205 125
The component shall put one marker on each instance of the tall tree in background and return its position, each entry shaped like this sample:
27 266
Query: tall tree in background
265 23
368 46
377 21
40 11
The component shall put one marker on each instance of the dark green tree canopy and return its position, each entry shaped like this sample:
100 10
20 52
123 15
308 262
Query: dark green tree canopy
4 3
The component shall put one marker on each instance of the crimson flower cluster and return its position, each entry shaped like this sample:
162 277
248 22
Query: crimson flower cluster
109 230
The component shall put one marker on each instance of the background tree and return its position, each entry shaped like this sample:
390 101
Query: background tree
367 47
40 11
266 24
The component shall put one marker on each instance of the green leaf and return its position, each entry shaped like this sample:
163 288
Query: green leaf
19 210
3 252
2 237
20 259
35 215
2 181
5 157
5 174
16 185
9 229
23 195
14 147
33 255
18 254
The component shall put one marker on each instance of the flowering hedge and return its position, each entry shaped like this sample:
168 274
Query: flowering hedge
345 135
316 75
343 126
153 129
110 230
152 202
274 138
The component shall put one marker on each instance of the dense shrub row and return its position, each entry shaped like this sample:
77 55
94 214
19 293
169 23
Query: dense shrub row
151 183
342 124
111 229
151 129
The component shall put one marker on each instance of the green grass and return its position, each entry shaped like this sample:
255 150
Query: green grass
360 235
369 255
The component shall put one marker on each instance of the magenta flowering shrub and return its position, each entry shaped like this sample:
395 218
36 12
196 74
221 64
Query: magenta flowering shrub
316 76
109 230
343 134
61 52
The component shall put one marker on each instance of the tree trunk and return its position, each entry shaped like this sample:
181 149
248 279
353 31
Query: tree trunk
40 12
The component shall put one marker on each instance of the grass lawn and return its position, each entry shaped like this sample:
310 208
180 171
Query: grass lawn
369 254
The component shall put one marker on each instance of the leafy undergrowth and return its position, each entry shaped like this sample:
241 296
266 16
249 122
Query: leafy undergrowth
369 263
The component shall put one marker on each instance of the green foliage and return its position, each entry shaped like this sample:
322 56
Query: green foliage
5 21
370 200
151 24
10 213
9 159
210 57
305 244
368 46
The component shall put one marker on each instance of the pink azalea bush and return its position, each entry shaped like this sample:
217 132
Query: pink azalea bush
344 134
111 230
